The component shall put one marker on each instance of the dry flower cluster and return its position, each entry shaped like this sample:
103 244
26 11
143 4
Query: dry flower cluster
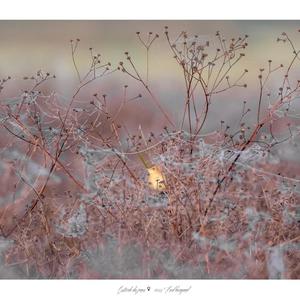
76 201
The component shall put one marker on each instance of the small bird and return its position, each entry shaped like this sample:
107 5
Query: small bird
156 179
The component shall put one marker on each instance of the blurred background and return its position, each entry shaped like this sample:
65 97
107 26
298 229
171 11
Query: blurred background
29 46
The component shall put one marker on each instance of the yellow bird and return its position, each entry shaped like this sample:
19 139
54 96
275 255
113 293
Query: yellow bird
156 179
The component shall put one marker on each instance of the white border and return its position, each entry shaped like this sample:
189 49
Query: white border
149 9
90 289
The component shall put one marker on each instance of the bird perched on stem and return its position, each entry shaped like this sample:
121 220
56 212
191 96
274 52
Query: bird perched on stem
156 179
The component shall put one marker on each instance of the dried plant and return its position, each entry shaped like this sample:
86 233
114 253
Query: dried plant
84 198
